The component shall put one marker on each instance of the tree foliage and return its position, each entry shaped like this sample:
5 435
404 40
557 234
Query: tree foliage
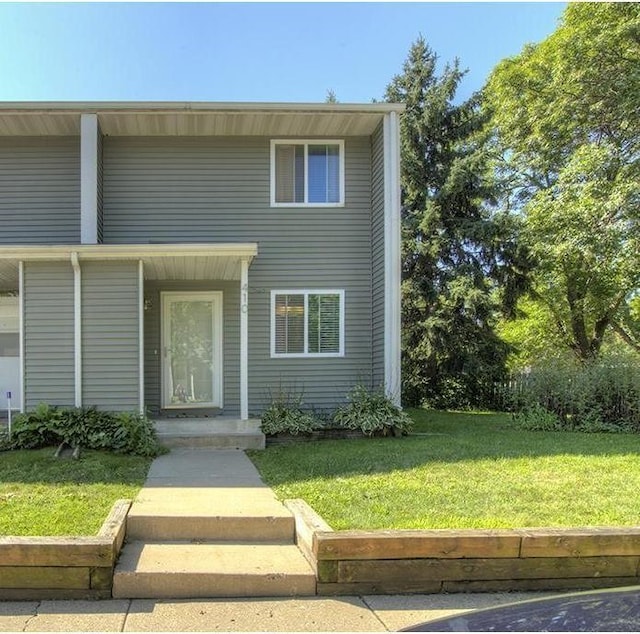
458 257
567 118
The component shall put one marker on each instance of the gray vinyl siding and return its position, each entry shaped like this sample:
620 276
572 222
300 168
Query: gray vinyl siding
216 189
49 334
110 337
231 339
39 190
377 255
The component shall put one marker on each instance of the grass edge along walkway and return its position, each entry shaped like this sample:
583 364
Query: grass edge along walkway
44 496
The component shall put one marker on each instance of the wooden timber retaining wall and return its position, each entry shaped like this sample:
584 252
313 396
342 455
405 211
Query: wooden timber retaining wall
433 561
63 567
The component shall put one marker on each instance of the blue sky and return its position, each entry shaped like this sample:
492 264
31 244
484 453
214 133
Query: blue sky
248 51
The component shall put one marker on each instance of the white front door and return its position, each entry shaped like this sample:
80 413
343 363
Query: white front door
192 349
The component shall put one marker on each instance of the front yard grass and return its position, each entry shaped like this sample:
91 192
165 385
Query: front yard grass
462 470
43 496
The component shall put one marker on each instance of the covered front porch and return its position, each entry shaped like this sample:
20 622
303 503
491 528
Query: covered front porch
159 328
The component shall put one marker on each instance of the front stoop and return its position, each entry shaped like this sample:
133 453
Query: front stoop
205 525
216 432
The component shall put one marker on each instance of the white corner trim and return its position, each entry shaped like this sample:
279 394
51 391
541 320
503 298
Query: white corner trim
141 335
23 396
89 178
77 327
244 340
392 257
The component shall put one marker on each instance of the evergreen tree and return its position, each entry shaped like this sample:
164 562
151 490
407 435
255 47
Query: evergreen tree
461 262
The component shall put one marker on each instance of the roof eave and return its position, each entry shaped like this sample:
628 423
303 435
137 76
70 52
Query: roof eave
156 107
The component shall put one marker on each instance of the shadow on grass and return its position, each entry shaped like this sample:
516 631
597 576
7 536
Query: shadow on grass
93 467
438 437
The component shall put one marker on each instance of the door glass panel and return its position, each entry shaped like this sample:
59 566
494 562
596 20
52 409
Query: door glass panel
190 352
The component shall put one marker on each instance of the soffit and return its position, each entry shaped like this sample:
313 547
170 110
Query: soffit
192 268
301 120
160 262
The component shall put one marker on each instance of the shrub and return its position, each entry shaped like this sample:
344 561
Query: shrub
286 416
120 432
603 396
372 412
537 418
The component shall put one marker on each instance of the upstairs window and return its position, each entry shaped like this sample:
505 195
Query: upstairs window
307 173
307 323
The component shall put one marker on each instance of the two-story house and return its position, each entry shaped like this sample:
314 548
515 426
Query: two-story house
169 257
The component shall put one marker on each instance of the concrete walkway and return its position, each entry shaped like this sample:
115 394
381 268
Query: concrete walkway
179 476
307 614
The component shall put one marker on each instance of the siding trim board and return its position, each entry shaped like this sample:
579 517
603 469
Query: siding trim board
21 327
141 337
392 257
89 185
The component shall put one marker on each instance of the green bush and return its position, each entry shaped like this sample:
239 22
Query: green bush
286 416
537 418
372 412
603 396
120 432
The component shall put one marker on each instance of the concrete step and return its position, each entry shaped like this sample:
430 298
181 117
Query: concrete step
213 441
180 570
225 513
213 433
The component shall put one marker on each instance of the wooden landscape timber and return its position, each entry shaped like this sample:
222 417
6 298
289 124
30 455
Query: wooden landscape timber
450 560
63 567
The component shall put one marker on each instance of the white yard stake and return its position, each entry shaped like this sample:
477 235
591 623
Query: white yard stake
9 412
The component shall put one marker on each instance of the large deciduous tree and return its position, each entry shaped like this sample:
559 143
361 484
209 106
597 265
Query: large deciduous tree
456 253
567 117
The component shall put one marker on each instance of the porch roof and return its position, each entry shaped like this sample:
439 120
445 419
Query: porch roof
161 261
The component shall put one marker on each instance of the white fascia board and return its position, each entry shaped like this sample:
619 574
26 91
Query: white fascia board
127 251
89 132
392 258
80 107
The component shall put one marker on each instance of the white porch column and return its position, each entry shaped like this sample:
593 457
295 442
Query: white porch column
89 178
77 327
141 335
392 256
23 396
244 339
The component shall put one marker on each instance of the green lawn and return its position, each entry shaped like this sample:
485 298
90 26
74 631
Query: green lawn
40 495
462 470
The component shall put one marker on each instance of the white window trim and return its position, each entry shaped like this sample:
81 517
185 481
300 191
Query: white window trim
306 143
306 355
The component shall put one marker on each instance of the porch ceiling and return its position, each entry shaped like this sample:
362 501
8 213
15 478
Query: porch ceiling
192 268
160 261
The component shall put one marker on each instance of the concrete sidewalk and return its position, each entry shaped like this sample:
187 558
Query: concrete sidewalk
185 480
305 614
